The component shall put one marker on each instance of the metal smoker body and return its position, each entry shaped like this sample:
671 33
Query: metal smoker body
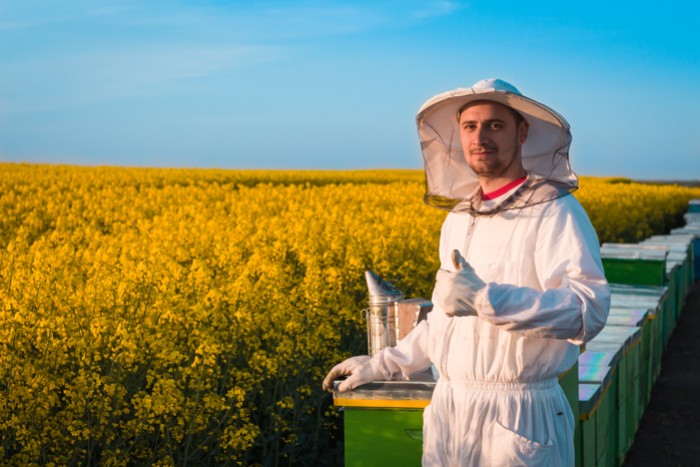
381 314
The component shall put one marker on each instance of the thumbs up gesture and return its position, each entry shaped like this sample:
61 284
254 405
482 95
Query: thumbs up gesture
455 292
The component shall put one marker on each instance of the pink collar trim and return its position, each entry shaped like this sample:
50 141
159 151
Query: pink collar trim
504 189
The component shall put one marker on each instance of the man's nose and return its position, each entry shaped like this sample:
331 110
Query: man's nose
481 135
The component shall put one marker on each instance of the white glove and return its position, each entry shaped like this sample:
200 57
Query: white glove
455 291
362 370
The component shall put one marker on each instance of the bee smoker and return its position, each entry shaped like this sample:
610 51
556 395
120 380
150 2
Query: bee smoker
381 314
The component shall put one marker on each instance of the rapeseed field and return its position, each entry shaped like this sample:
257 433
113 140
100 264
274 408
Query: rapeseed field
187 317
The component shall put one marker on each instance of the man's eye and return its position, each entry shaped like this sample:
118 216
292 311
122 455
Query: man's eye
496 126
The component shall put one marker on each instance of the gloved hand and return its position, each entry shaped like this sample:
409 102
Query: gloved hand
361 369
455 291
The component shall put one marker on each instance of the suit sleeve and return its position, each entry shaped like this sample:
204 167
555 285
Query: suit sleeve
575 298
409 356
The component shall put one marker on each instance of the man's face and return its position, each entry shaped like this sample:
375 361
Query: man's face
491 140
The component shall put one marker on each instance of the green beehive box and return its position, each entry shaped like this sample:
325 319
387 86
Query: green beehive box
692 227
381 437
589 400
655 299
694 231
629 405
638 317
681 252
679 268
596 408
633 264
599 367
694 205
676 273
569 384
606 456
383 421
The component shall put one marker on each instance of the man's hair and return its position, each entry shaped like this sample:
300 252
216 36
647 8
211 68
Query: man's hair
517 115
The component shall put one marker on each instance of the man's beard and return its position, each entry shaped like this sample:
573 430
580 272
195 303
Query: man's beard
494 170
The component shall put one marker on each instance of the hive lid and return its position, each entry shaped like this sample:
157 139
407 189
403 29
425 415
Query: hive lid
624 335
599 358
634 251
627 317
589 395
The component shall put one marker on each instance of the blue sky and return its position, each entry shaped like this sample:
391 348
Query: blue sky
336 85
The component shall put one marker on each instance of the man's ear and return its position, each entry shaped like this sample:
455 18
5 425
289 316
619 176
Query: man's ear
522 131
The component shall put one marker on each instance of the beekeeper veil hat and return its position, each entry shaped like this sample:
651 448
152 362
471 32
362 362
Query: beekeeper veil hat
451 184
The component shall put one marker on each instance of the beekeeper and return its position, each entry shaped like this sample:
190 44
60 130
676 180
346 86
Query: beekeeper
521 284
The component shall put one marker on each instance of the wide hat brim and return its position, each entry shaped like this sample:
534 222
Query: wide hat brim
545 152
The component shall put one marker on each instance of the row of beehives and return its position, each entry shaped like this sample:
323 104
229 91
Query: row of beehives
617 369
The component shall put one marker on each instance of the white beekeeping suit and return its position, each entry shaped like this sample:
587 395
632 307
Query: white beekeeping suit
540 293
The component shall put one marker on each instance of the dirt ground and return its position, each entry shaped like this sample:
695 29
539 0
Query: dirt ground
669 433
